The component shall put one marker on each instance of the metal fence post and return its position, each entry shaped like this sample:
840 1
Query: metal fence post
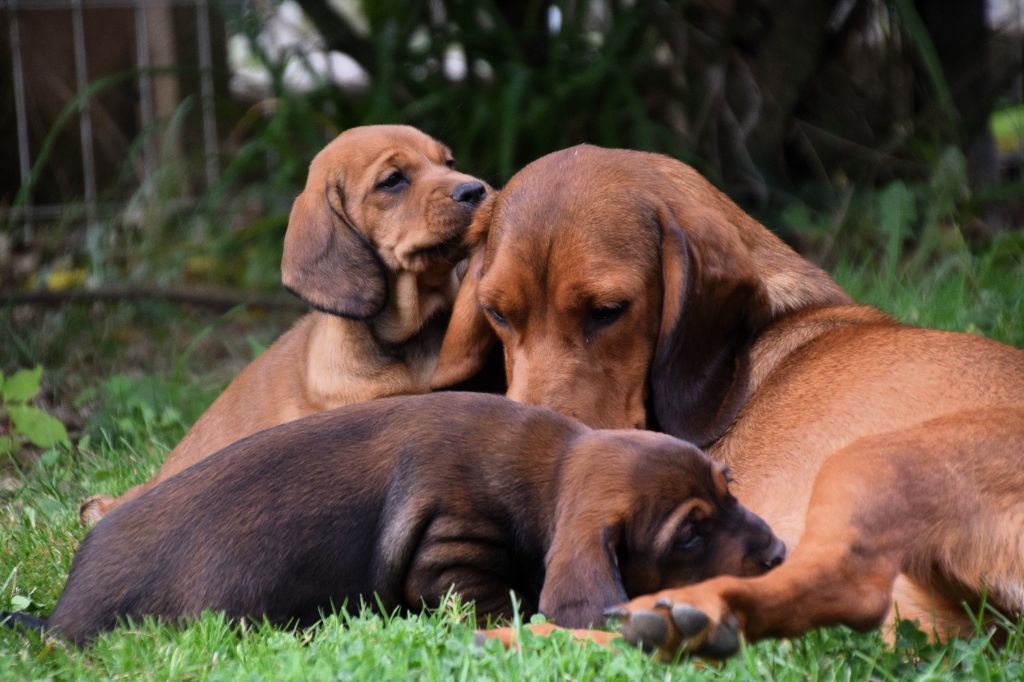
24 154
85 117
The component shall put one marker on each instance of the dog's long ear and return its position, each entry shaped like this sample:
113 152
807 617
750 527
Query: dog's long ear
328 264
713 304
581 577
468 342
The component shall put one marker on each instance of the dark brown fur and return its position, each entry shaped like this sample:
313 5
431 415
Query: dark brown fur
730 339
405 497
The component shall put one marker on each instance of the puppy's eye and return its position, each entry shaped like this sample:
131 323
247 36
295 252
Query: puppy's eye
496 316
394 182
688 539
450 163
604 315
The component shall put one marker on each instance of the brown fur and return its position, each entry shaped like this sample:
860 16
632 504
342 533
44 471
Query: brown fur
732 340
405 497
377 266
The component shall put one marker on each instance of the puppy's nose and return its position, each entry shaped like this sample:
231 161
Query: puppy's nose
471 193
775 555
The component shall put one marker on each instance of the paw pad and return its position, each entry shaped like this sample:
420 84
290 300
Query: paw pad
724 641
690 620
649 629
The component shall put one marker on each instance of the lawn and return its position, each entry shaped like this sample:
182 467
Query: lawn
127 379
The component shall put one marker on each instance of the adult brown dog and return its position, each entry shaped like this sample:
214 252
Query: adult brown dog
406 497
628 291
371 245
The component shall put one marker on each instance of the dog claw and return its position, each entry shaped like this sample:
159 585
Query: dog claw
689 619
663 603
646 628
616 612
724 641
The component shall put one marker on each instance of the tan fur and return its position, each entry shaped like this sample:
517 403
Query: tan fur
918 522
380 347
887 455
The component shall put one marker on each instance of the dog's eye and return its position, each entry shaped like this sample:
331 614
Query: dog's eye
602 315
393 182
496 316
688 539
450 163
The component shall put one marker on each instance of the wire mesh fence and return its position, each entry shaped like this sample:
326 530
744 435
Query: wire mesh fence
92 86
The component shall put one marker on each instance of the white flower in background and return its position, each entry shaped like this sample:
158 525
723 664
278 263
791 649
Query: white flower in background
454 63
288 36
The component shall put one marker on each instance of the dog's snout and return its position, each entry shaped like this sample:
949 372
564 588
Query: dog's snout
775 555
471 193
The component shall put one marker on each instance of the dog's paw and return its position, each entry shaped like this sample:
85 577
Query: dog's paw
667 624
93 509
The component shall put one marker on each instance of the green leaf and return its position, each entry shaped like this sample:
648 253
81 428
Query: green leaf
896 213
30 516
48 458
41 429
86 395
50 507
8 445
169 416
22 385
20 602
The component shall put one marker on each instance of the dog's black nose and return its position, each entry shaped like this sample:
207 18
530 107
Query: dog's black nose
775 555
471 193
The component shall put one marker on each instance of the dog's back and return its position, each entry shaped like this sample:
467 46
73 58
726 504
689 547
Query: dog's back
191 543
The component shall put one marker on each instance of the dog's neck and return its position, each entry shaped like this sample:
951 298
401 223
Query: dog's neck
775 346
789 333
414 299
804 302
395 353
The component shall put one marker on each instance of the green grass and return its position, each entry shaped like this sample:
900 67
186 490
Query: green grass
1008 129
131 378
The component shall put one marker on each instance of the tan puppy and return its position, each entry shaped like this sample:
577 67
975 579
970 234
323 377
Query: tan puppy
626 290
371 244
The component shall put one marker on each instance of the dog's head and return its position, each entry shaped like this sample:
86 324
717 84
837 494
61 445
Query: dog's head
377 199
620 281
646 512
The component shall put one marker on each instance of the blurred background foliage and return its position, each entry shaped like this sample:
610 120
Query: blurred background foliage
796 108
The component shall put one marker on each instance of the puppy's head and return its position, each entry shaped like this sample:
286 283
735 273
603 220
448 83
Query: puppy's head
684 525
377 199
621 281
646 512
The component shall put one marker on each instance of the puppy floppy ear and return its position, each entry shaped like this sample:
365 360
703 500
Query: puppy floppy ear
328 264
581 577
468 342
713 304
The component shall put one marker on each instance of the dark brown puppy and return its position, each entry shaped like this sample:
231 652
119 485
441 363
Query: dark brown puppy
406 497
627 291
